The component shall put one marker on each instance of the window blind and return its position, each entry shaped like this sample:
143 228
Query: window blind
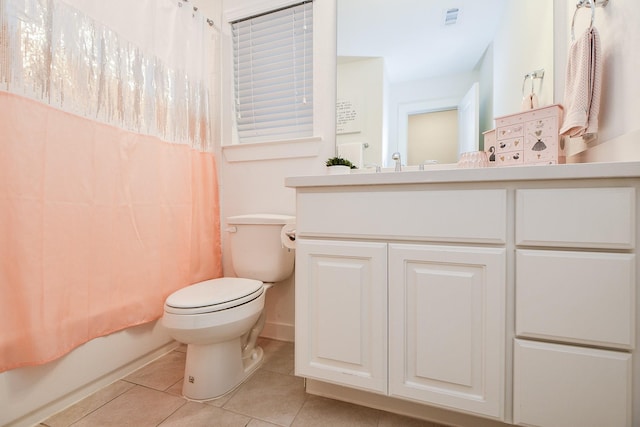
273 74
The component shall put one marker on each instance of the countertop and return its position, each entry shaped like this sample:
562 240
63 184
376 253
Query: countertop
450 173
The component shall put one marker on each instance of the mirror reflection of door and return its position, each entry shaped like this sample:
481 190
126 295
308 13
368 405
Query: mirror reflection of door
468 120
433 136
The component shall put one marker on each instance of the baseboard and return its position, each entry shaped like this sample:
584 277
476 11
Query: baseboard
279 331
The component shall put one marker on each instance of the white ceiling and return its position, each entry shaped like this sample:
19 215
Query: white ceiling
412 37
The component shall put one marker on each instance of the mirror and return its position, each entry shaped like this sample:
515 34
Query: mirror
402 61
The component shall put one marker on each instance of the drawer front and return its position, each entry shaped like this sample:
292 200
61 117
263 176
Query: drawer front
510 158
510 131
578 217
509 145
540 127
576 297
447 215
564 386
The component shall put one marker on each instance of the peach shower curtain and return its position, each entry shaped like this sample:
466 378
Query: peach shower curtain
98 227
108 187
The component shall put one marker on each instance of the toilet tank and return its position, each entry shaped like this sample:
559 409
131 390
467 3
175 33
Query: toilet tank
256 248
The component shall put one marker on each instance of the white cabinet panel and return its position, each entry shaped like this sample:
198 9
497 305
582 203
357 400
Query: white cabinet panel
563 386
580 297
341 306
447 330
576 217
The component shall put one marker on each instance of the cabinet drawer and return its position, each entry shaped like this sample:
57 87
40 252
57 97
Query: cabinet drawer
576 297
437 215
577 217
563 386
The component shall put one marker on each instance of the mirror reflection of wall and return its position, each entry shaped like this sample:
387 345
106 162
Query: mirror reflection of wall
424 61
433 136
360 83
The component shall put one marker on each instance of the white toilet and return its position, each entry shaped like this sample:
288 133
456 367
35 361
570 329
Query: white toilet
220 319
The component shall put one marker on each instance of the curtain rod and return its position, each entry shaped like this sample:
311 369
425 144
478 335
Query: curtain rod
195 9
272 11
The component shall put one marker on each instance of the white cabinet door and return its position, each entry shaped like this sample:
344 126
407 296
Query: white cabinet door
565 386
341 313
447 326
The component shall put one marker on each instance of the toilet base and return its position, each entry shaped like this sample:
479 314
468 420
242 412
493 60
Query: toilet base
213 370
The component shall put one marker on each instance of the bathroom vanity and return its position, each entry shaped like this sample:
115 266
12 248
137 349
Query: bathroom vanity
478 297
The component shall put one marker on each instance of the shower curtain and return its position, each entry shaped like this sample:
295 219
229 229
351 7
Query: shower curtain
108 186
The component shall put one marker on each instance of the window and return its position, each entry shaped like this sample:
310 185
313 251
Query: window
273 74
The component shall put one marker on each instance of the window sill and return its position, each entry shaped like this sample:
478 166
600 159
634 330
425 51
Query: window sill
307 147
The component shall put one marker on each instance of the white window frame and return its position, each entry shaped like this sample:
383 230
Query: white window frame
324 64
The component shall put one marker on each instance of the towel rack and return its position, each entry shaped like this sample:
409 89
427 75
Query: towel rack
591 4
536 74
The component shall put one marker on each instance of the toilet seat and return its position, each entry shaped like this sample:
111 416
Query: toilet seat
213 295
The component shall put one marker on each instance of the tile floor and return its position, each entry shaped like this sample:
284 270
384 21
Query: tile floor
273 396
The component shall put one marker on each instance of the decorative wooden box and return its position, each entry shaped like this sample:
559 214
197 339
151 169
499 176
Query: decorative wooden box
530 137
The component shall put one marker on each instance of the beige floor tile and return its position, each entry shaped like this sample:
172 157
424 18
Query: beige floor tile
87 405
259 423
221 401
323 412
176 389
200 415
269 396
138 407
278 356
161 373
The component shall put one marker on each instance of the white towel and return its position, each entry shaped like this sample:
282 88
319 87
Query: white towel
583 85
352 151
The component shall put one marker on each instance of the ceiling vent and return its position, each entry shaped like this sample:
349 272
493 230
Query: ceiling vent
451 16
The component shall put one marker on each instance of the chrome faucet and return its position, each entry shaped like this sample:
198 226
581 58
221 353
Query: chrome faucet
396 156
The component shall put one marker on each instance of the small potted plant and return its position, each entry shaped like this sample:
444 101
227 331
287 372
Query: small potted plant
338 165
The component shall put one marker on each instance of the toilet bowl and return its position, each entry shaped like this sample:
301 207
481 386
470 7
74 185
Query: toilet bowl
221 319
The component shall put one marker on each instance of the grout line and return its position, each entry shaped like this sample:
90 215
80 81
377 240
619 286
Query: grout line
177 409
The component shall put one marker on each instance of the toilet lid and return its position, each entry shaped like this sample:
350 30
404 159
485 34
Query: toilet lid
213 295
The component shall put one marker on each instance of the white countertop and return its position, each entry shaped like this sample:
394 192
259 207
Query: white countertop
449 173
